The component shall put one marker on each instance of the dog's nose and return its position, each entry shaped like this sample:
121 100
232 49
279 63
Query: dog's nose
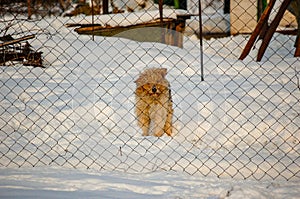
154 89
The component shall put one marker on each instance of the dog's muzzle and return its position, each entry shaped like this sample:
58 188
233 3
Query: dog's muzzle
154 89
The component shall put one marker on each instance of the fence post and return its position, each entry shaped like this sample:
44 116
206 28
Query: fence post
105 6
200 38
29 9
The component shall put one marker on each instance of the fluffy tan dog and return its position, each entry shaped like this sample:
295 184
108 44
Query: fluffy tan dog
153 102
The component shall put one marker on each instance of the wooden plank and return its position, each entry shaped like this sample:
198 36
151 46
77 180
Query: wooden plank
264 19
70 25
16 40
115 30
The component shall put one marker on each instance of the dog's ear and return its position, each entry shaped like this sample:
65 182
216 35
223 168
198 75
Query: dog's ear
163 72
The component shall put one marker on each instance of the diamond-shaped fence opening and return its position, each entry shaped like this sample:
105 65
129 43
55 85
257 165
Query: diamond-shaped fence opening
241 121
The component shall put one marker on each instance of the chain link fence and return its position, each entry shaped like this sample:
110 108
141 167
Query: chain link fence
234 118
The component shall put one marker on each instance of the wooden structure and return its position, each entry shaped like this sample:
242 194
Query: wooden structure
242 16
19 50
265 31
165 30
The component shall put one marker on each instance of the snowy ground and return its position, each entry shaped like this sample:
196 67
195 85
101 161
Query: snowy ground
64 183
242 121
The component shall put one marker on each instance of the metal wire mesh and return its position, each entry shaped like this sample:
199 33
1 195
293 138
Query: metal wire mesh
242 121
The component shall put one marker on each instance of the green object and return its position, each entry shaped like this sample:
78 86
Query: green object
264 4
178 4
261 6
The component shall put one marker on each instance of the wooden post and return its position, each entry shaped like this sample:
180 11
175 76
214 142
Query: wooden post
272 29
261 6
262 21
160 7
163 31
29 9
226 6
105 6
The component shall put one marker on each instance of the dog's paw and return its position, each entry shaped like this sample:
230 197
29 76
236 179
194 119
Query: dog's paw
159 133
145 134
169 132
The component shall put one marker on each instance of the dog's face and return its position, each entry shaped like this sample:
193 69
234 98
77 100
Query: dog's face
152 82
152 89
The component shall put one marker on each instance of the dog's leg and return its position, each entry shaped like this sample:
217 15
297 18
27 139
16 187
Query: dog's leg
168 126
144 123
158 115
143 119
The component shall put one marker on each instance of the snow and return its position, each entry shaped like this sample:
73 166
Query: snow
75 183
241 122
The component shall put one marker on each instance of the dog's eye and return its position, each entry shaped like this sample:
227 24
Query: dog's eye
160 87
147 87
